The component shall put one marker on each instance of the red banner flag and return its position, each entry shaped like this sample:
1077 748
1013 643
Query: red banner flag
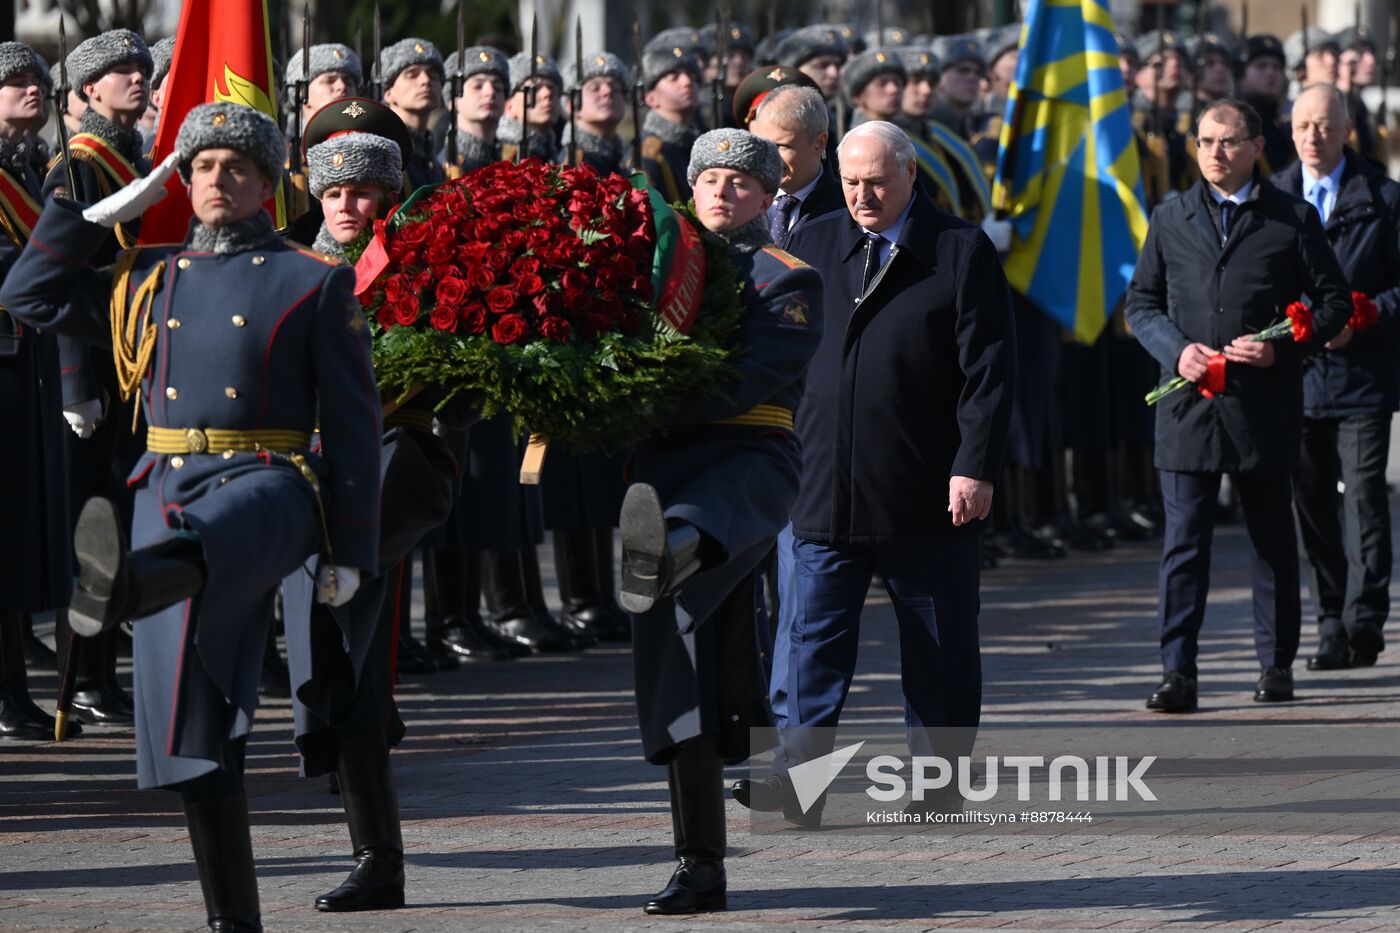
223 52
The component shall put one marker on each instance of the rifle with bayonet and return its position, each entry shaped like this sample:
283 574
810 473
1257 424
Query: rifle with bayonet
456 85
528 91
376 71
721 70
576 95
638 94
295 197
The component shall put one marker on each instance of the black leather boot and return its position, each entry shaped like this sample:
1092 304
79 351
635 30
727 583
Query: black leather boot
20 716
37 655
534 598
620 628
412 657
223 855
696 779
576 566
657 556
115 584
442 598
474 629
503 580
372 810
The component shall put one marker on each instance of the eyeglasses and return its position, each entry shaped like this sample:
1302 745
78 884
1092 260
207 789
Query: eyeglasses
1231 144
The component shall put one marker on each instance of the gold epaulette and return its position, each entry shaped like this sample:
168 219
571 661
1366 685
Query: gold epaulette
786 258
310 253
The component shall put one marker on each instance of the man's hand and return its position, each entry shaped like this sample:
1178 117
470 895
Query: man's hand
969 500
1192 363
1250 352
84 417
1341 340
336 585
133 200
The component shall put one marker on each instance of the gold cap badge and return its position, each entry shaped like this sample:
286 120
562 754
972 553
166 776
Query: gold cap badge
338 53
418 47
354 111
484 56
879 56
722 145
218 119
338 159
777 74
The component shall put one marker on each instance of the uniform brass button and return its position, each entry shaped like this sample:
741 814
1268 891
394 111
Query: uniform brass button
177 462
172 393
228 455
259 260
183 263
173 323
239 320
223 480
231 392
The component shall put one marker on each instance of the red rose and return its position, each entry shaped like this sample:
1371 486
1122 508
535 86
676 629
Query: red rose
481 277
606 277
528 265
573 279
445 318
439 254
513 241
577 301
500 300
473 252
473 317
386 316
451 291
509 328
556 328
412 234
498 260
396 288
421 281
406 312
530 284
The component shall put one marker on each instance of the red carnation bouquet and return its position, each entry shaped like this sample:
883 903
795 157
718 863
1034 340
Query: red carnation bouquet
1297 323
533 288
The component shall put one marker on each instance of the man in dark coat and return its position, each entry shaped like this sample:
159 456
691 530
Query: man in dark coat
711 493
903 424
1220 263
240 345
794 118
1350 392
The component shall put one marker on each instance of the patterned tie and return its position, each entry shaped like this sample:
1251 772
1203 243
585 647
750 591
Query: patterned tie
782 218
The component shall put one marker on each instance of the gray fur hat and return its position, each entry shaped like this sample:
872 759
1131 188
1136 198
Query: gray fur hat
602 65
94 57
325 58
367 158
1317 38
688 39
1000 41
867 66
954 50
545 69
162 54
1160 41
919 62
739 150
232 126
894 37
658 63
16 57
478 60
405 54
810 42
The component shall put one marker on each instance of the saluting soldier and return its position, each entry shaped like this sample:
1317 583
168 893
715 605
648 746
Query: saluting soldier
485 73
230 498
711 493
1262 83
413 75
602 105
35 571
545 105
111 74
672 82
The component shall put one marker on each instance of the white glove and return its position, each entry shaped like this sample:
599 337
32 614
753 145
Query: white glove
336 585
133 200
999 232
84 416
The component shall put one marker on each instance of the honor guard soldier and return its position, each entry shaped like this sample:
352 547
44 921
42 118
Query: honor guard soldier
1212 62
35 570
687 39
603 102
1312 56
239 345
959 84
1356 71
413 76
1158 119
672 81
331 71
1128 60
819 52
711 493
485 74
162 53
874 82
111 74
739 48
355 149
1002 53
1261 81
545 105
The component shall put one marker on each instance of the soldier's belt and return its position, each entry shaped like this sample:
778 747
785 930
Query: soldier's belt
218 440
762 416
410 418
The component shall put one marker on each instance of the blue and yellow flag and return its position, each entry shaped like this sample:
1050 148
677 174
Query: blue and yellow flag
1068 175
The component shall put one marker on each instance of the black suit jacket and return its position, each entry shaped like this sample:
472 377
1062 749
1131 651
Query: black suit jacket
912 382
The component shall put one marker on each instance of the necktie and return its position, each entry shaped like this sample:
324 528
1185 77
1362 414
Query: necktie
1227 212
1319 199
872 261
778 226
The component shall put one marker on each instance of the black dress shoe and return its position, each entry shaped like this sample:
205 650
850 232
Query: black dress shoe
375 883
597 623
1367 643
527 630
17 721
1076 536
489 633
1176 694
1275 686
772 794
1333 654
101 704
413 657
444 658
37 655
696 887
1018 543
468 644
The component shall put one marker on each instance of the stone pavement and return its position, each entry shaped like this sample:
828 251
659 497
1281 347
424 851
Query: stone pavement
526 804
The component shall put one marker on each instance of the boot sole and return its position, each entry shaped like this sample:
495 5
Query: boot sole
101 549
389 901
706 905
642 524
